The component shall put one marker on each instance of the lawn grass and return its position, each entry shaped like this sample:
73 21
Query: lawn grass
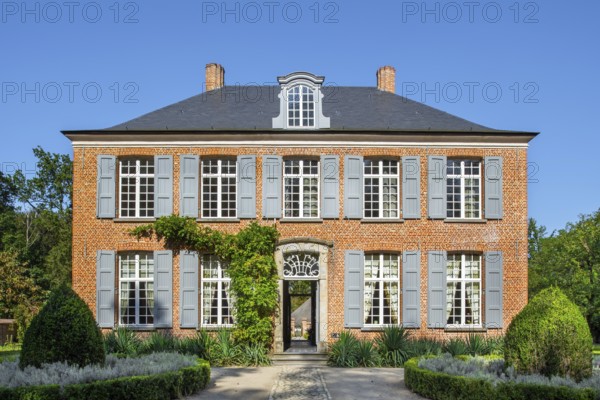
9 352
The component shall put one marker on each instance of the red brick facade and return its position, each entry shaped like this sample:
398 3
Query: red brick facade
508 235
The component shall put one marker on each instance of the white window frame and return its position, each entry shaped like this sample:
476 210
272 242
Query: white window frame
301 177
463 281
137 281
137 175
462 178
219 280
382 281
301 101
381 176
219 175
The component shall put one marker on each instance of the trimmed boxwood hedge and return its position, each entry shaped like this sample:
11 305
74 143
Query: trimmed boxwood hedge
165 386
439 386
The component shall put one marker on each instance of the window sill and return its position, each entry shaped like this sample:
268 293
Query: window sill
465 329
134 220
214 327
302 220
465 221
138 328
381 221
372 328
218 220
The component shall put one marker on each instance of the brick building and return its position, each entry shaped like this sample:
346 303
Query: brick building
390 211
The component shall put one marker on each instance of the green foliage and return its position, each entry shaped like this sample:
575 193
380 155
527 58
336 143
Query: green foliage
367 355
344 352
255 355
478 385
456 347
550 337
168 385
393 345
16 287
252 268
159 342
225 351
569 259
122 341
64 330
424 347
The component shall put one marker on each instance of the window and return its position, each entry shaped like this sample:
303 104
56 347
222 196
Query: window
216 300
136 294
219 195
301 106
137 188
463 296
381 289
381 189
463 189
301 182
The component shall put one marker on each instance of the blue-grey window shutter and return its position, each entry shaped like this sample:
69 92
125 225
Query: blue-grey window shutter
353 186
411 187
247 188
436 293
493 289
411 289
106 186
188 287
105 288
189 167
436 187
354 261
493 187
272 169
163 186
163 289
330 186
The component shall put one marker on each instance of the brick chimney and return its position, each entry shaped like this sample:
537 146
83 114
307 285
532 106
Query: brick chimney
215 76
386 79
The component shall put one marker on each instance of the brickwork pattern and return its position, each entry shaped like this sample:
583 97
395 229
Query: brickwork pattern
508 235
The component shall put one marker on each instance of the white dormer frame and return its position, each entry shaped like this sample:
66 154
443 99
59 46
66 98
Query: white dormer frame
289 82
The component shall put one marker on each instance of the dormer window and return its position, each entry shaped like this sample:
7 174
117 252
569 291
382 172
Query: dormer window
301 102
301 107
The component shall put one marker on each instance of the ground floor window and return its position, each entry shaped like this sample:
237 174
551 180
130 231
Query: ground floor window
216 299
136 294
463 295
381 297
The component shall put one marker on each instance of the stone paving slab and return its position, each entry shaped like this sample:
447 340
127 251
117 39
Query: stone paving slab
298 383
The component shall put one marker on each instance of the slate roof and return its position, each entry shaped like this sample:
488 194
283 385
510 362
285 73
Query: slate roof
249 108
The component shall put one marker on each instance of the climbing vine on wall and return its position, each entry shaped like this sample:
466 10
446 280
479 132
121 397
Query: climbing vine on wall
252 268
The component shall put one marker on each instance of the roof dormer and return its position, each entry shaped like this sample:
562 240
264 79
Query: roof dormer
301 102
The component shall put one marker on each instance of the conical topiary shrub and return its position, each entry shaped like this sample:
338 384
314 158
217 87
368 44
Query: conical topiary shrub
550 336
64 330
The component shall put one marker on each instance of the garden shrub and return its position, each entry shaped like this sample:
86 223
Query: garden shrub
122 341
159 342
393 345
343 352
63 331
550 336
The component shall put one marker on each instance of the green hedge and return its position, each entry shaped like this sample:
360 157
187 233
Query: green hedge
165 386
439 386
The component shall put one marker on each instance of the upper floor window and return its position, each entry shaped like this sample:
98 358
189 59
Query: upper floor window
463 189
136 188
463 295
381 295
301 188
136 289
219 188
301 107
216 298
301 102
381 189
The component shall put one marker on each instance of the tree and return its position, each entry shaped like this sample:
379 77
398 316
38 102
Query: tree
16 287
569 259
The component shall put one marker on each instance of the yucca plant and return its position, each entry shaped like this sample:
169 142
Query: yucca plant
495 345
476 345
456 347
122 342
225 351
344 352
367 355
393 345
255 355
199 345
159 342
424 347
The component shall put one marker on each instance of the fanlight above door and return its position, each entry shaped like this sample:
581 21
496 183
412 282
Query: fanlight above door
301 266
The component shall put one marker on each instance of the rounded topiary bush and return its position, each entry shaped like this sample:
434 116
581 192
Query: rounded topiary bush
550 336
63 331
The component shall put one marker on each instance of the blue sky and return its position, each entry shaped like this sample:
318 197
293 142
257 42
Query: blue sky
522 65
